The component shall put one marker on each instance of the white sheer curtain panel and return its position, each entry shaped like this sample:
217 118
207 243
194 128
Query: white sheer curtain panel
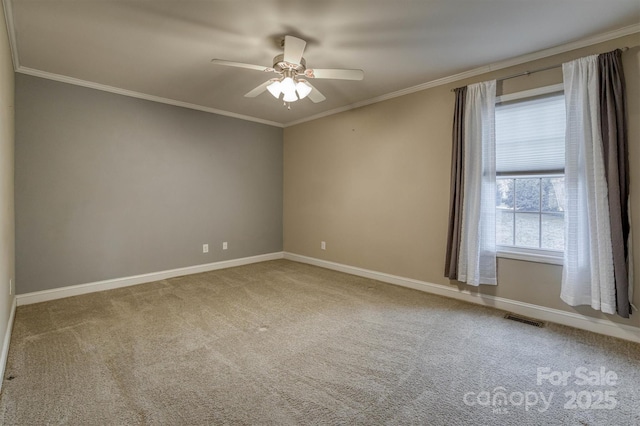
477 258
587 277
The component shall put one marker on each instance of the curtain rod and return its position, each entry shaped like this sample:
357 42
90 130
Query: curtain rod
624 49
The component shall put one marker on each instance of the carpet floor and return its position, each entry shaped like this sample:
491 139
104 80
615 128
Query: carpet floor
280 342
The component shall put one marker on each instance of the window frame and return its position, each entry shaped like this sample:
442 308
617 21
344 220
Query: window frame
529 254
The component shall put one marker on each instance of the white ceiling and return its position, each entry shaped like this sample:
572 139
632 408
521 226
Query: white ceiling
163 48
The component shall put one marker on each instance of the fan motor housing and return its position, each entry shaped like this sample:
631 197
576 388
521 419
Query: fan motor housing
279 65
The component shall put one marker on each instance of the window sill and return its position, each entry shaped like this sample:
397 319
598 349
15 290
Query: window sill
550 258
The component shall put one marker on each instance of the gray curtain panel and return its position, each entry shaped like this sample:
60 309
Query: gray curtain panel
613 123
457 179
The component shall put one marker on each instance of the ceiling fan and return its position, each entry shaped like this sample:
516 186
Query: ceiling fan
291 82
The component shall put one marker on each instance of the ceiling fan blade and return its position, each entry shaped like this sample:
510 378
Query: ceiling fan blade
258 90
240 65
293 49
315 96
337 74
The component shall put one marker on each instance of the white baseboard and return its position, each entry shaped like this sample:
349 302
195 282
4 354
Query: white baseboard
557 316
4 356
75 290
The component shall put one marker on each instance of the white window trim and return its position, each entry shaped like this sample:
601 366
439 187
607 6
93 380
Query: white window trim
552 257
538 255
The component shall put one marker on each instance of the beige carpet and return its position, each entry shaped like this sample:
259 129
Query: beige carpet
286 343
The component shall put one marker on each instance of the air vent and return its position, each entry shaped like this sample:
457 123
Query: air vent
524 320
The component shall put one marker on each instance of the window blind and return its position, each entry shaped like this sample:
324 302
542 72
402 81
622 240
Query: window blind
530 136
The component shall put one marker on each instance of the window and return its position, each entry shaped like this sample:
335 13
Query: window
529 212
530 134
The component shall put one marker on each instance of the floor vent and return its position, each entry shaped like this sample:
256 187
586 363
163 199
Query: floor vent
525 320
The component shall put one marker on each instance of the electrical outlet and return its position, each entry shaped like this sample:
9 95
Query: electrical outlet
205 248
224 246
323 245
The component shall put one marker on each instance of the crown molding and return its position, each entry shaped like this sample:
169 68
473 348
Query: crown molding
541 54
589 41
139 95
11 32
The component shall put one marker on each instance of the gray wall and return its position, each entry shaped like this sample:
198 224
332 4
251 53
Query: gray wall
110 186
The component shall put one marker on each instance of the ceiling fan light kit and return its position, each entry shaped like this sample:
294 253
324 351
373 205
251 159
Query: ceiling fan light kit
291 66
290 87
